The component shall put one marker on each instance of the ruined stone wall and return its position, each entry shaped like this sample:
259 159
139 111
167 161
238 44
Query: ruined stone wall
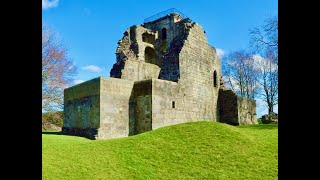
236 110
98 109
114 108
127 46
126 50
170 106
194 96
170 66
228 107
137 70
159 103
131 56
82 109
247 111
156 82
167 22
197 63
149 35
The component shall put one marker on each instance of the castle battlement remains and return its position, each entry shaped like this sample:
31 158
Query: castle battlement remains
165 73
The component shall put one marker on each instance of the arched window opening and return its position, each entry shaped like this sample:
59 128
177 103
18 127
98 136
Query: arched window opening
150 55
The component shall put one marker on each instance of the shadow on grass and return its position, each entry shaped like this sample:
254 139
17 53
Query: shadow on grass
260 126
52 132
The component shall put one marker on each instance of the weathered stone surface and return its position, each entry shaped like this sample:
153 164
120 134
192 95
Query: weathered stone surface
49 126
236 110
166 73
270 118
143 105
99 115
114 108
247 111
82 107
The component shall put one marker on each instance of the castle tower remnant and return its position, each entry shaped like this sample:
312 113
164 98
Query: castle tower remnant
165 73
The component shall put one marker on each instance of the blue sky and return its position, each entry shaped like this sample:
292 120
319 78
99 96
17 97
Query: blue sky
90 29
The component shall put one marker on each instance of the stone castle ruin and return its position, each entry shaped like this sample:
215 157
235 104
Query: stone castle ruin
166 73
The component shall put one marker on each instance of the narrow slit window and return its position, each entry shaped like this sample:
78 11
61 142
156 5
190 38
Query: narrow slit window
215 79
173 104
164 33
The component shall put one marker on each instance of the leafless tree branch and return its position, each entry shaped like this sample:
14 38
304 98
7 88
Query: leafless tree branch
57 70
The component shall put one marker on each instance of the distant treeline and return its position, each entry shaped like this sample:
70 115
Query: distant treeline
55 118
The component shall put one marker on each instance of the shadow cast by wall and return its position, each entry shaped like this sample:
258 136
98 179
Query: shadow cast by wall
260 126
53 132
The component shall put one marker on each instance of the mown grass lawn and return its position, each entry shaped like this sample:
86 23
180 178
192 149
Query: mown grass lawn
198 150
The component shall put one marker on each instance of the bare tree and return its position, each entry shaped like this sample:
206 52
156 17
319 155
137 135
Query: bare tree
265 37
268 79
240 73
57 70
264 40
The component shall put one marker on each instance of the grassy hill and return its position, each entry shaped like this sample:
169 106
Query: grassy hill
198 150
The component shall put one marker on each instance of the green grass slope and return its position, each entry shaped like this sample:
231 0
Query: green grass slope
198 150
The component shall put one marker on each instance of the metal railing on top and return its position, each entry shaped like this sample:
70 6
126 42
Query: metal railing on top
164 13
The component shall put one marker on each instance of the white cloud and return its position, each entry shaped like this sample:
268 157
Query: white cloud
46 4
231 63
232 80
261 111
78 81
257 58
220 52
260 102
275 109
92 68
260 61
